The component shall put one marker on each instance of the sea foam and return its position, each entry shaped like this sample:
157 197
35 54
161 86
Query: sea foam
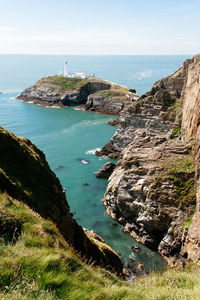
92 151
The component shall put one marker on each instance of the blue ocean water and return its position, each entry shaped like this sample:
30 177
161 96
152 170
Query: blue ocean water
69 137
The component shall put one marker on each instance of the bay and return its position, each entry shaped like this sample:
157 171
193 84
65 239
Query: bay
69 137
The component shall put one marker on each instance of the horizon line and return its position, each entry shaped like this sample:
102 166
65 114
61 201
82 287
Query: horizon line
155 54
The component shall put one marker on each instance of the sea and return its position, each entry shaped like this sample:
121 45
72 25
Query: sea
69 137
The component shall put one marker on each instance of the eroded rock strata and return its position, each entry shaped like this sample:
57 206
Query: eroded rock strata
152 190
90 94
26 176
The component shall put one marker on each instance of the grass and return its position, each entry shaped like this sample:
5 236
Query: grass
176 132
181 170
113 92
188 222
75 83
36 262
66 83
41 265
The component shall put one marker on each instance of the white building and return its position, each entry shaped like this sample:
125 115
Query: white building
75 75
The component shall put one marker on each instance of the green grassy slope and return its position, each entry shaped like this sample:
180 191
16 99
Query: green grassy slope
37 263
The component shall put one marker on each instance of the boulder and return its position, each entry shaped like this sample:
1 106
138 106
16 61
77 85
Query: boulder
106 170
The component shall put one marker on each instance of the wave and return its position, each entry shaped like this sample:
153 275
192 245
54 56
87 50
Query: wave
83 124
52 106
92 151
84 161
141 75
103 157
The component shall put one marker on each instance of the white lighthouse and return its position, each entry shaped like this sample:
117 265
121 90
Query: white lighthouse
75 75
65 69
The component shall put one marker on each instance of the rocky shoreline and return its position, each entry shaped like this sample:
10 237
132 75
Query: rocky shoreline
153 189
92 94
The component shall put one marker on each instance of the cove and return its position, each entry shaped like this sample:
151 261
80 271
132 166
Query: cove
69 138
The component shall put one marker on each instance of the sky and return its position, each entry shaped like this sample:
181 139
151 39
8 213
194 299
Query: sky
98 27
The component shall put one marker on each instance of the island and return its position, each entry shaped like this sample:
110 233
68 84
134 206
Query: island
90 93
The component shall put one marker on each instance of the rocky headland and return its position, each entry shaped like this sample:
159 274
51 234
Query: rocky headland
154 189
91 94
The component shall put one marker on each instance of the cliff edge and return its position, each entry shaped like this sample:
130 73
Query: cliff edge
26 176
155 185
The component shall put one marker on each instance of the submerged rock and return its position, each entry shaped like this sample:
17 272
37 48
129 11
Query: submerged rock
106 170
83 161
60 168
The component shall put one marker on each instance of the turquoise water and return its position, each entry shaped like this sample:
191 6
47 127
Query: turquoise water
69 137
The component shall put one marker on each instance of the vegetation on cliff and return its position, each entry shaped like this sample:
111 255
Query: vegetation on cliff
37 263
60 91
64 84
36 259
26 176
37 256
76 83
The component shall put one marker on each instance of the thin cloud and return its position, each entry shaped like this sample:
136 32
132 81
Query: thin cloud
133 20
66 38
183 7
6 28
145 29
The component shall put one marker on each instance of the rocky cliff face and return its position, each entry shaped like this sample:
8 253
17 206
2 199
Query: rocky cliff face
25 175
152 190
156 112
191 131
92 94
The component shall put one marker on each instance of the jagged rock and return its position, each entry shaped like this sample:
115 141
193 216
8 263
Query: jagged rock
140 193
108 102
191 239
114 123
191 130
106 170
152 189
153 112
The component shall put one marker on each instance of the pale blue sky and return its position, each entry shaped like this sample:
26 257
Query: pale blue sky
100 26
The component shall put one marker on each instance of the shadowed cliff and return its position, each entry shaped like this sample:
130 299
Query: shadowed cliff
25 175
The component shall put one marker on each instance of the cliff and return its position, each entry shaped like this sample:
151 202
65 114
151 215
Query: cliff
152 190
25 175
191 131
91 94
38 234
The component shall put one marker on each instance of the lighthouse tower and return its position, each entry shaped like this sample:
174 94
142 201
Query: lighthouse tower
65 69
